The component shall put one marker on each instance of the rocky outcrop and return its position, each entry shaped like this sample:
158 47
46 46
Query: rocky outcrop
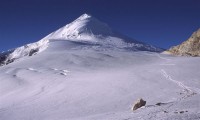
191 47
4 56
138 104
10 56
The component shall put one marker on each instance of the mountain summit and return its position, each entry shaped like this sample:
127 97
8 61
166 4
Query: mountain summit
85 29
189 47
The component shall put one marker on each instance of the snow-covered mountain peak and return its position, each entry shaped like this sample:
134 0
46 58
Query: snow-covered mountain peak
84 27
85 16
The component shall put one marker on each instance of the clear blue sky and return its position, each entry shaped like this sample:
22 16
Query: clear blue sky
163 23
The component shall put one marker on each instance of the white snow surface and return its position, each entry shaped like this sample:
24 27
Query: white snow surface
73 80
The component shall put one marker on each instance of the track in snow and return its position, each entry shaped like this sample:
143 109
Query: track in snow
186 89
159 56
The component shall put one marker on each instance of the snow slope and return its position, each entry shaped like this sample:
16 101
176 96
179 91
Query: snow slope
73 81
81 80
84 29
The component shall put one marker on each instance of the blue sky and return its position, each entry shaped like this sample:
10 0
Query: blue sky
163 23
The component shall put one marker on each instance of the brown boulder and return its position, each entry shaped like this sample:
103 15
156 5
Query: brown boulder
138 104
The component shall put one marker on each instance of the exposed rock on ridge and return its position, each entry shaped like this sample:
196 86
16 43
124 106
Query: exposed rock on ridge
190 47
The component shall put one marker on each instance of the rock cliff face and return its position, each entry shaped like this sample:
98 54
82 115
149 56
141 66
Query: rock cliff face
190 47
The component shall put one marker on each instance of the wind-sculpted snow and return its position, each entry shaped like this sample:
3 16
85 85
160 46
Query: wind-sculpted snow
73 81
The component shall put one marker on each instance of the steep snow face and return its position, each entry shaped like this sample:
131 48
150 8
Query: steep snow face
89 29
84 29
